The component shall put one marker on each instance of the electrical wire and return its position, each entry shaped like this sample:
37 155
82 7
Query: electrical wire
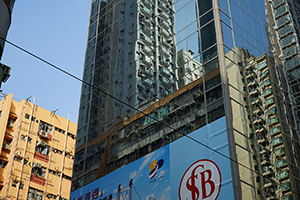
73 76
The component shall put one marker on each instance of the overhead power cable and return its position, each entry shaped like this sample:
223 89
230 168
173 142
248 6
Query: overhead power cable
148 115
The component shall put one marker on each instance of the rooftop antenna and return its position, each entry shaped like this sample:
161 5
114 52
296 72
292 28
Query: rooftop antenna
54 111
28 99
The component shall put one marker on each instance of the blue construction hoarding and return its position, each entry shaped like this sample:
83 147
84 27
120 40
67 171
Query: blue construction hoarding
183 169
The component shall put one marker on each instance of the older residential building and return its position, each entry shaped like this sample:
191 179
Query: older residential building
37 148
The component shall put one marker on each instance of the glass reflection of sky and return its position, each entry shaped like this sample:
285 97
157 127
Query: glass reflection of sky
246 19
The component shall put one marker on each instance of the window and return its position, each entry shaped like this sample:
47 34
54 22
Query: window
23 137
33 119
54 172
27 116
67 177
14 183
2 164
57 151
35 194
42 148
38 170
21 186
72 136
29 140
45 127
25 162
59 130
17 158
51 196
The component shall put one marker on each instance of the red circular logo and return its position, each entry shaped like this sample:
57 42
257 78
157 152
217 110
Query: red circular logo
202 180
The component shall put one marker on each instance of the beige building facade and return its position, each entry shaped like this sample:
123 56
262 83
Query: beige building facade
37 148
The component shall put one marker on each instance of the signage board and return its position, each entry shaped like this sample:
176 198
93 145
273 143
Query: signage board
183 169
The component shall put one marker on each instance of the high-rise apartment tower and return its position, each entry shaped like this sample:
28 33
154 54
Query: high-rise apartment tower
171 147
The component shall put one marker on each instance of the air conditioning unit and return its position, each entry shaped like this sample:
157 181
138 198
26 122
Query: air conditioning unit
69 151
40 143
43 134
38 165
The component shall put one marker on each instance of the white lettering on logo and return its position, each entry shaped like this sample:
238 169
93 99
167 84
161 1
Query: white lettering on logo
202 180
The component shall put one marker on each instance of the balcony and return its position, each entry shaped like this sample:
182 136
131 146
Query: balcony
288 196
166 62
164 15
280 152
6 147
288 40
146 11
277 142
164 51
271 111
147 50
252 83
44 135
282 21
266 83
285 30
290 51
261 140
147 3
9 136
166 82
165 33
283 175
163 6
145 71
147 61
269 102
285 187
262 66
147 22
255 101
147 82
273 121
166 44
275 130
280 11
277 3
267 92
257 111
147 31
146 93
165 71
254 92
260 131
267 171
251 75
264 151
258 120
38 180
10 125
249 66
264 74
147 40
281 164
164 24
269 184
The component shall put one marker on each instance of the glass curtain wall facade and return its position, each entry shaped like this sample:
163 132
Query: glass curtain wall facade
121 64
